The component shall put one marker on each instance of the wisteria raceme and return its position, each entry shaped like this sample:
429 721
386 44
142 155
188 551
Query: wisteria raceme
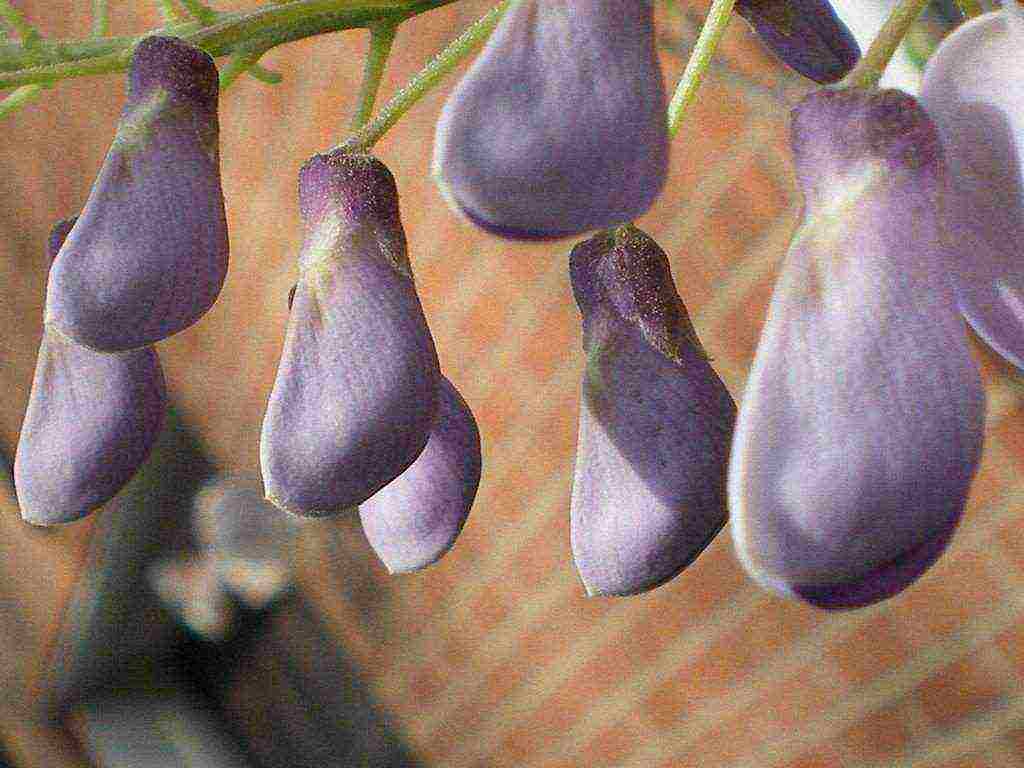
861 425
356 390
974 91
414 520
149 253
92 421
559 126
806 35
655 422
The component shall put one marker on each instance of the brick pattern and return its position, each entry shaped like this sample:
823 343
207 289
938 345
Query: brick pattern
494 657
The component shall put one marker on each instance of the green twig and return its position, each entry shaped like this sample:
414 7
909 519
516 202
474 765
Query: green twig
869 69
264 75
710 34
382 36
239 64
426 79
17 21
970 8
169 11
100 18
18 98
266 27
201 12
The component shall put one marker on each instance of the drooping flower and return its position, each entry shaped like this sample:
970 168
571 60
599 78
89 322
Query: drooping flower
149 253
92 421
655 422
806 35
356 390
974 91
861 424
559 126
414 520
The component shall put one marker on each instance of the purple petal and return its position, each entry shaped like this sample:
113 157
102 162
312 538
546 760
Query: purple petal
414 520
806 35
655 422
861 425
356 389
149 253
559 126
92 420
974 91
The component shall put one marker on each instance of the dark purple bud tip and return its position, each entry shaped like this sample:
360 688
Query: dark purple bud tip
847 139
414 520
92 420
358 188
149 253
862 420
559 126
171 66
974 92
806 35
356 390
655 423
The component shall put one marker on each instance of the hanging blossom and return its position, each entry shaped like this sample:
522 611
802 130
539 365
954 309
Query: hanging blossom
974 91
861 424
560 125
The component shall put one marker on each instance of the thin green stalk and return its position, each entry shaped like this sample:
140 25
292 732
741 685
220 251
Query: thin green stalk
443 63
265 27
710 34
382 37
169 11
100 18
239 64
264 75
869 69
18 98
17 21
970 8
201 12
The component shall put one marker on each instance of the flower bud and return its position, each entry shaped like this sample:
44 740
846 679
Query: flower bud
92 420
356 389
974 91
414 520
149 253
648 492
861 424
560 125
806 35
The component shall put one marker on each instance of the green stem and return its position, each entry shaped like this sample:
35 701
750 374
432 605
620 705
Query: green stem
382 37
17 21
970 8
265 75
267 27
710 35
200 12
18 98
239 64
869 69
168 11
443 63
100 18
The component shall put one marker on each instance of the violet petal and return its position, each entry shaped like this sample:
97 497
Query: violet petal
560 125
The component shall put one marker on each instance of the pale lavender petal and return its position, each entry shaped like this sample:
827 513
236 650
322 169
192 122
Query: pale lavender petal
806 35
861 424
559 126
149 253
655 422
974 91
415 519
356 389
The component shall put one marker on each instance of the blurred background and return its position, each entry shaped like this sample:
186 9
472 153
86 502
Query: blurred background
124 642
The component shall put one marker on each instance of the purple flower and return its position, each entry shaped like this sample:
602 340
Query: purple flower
805 34
974 91
356 389
414 520
655 422
559 126
861 424
149 253
92 420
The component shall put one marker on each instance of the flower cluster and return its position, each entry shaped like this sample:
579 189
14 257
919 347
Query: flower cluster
847 466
